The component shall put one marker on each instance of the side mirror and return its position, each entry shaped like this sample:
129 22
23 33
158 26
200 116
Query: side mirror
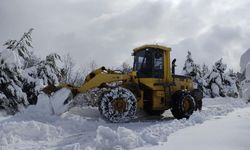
173 69
173 66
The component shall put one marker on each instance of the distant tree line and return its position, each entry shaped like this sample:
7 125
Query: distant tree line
214 82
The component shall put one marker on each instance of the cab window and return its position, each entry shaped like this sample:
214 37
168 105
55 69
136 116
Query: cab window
149 63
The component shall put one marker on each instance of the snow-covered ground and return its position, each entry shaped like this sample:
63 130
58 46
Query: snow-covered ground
221 133
82 128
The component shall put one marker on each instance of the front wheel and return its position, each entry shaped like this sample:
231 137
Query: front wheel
117 104
183 105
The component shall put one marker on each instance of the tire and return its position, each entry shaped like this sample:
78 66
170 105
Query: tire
197 95
183 105
117 105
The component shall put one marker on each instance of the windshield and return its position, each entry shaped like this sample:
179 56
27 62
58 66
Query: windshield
140 61
149 63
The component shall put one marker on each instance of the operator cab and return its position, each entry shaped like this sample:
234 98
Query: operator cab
149 62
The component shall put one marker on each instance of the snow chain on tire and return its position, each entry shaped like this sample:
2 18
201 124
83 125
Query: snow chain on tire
116 95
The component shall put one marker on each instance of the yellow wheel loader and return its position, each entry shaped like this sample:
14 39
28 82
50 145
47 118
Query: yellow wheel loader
151 86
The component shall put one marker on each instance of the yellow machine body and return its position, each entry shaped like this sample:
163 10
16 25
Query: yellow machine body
161 89
152 93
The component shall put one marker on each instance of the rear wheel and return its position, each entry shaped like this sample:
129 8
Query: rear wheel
197 95
183 105
117 105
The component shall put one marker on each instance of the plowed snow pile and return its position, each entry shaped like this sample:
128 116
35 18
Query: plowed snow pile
82 128
229 132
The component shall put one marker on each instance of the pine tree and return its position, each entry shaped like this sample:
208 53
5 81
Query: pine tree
21 47
13 59
205 70
213 83
215 80
48 70
231 84
22 74
188 68
193 70
67 70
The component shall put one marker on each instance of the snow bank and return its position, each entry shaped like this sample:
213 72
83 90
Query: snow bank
42 111
245 58
3 113
47 106
43 106
31 127
37 128
16 132
246 84
75 146
206 136
248 70
245 66
124 138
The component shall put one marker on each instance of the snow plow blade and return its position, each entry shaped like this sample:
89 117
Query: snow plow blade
51 89
60 97
61 100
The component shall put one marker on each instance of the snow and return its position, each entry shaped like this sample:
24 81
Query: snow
10 58
221 133
47 107
57 101
245 58
246 84
20 133
123 138
83 128
248 70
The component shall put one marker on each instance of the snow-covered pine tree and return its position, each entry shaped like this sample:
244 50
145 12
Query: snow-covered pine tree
197 72
193 70
213 83
67 70
11 95
204 70
22 74
40 75
12 60
188 68
231 84
215 80
21 47
49 71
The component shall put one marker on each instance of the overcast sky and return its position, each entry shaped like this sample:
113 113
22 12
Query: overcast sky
107 30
